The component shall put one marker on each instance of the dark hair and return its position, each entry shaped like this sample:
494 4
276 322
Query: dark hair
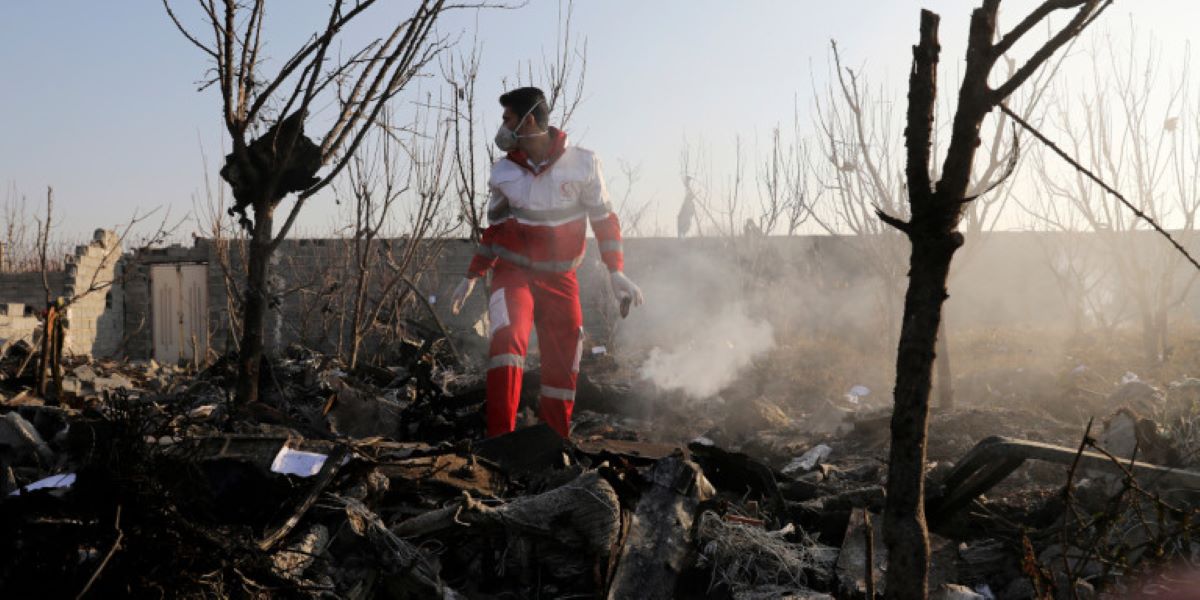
521 100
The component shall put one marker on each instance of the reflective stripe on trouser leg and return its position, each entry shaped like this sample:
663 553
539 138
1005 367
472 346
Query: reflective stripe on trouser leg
558 319
510 311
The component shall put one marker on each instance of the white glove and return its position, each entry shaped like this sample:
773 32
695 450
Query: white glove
460 294
625 289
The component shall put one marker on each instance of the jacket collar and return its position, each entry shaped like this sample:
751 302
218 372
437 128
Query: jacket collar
558 145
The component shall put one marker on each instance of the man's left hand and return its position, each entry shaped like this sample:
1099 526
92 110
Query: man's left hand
625 290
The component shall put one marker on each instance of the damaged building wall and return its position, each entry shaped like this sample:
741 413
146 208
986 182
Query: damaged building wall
1009 282
138 323
93 326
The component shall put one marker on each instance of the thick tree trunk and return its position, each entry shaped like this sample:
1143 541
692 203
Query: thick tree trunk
254 310
945 381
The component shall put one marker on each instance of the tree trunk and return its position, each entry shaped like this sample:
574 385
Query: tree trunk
933 232
254 315
945 384
905 531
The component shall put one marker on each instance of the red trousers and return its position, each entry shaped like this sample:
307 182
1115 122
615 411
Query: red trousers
522 298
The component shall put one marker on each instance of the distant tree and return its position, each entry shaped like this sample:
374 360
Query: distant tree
266 116
1139 133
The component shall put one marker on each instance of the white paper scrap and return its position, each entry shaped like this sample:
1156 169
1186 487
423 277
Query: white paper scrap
63 480
298 462
599 350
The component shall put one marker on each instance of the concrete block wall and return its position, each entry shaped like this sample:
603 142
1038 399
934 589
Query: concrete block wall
94 324
28 289
16 323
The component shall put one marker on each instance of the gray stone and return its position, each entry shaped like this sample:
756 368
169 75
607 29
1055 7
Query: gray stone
953 591
84 373
24 440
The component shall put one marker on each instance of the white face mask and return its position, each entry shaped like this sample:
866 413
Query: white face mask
507 139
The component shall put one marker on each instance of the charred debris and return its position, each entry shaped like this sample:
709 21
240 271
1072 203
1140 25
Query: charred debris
142 480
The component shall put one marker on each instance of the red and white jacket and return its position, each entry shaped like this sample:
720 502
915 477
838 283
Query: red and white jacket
537 214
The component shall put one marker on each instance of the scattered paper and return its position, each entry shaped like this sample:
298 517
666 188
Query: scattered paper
64 480
599 350
703 441
1129 377
432 299
298 462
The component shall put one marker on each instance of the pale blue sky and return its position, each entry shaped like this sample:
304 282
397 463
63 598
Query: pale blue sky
99 98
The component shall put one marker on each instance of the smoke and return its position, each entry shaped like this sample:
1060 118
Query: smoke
706 362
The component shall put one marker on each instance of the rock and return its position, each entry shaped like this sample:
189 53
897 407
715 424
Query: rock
852 560
1124 432
830 418
756 415
656 551
952 591
358 415
71 386
292 562
115 381
202 412
809 460
84 373
20 435
1020 589
1138 395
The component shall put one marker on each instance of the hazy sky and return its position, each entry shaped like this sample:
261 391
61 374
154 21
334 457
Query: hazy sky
100 99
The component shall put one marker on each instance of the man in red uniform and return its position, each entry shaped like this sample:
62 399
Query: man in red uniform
542 195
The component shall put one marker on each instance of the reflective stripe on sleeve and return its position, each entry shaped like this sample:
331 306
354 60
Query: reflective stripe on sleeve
507 360
611 246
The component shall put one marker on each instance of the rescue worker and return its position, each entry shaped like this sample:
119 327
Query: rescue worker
542 194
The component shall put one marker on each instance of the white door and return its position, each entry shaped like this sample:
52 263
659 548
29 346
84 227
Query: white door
180 312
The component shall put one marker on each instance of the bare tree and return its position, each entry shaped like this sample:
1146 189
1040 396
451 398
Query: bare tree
228 247
414 170
936 209
1138 135
628 208
266 116
785 188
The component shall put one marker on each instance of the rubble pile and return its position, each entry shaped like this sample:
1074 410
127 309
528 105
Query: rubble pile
142 479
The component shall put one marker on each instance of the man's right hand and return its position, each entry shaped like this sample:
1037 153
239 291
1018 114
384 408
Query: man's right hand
460 294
